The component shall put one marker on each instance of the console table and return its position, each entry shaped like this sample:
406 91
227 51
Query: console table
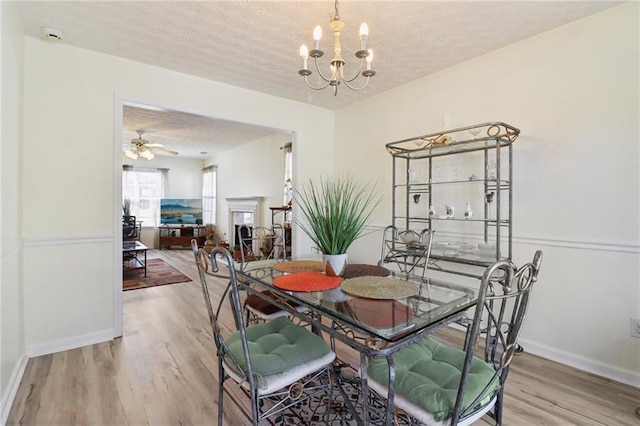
181 235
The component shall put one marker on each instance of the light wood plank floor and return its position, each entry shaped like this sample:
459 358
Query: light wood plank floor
163 372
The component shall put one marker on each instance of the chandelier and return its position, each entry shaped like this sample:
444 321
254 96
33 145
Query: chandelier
336 65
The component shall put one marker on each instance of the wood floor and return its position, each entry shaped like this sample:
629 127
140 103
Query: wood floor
163 372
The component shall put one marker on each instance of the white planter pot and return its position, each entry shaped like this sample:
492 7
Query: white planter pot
335 265
334 295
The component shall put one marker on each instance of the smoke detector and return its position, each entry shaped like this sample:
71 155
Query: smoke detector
50 33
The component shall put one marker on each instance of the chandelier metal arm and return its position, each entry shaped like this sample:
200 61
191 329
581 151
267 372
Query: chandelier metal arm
328 80
349 80
357 88
306 80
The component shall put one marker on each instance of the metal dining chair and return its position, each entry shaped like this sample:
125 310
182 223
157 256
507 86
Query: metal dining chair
260 246
407 250
277 364
258 243
441 385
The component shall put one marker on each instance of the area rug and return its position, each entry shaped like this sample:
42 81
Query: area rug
313 412
159 273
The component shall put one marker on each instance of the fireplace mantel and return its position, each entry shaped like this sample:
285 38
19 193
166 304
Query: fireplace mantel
243 205
244 202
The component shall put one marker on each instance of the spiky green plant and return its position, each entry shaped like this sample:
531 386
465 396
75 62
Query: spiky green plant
126 207
337 211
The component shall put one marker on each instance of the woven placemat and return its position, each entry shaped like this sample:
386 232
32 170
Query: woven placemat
362 270
299 266
306 281
380 288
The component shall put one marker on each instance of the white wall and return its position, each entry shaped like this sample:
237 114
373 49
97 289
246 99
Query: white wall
12 352
253 169
574 93
72 104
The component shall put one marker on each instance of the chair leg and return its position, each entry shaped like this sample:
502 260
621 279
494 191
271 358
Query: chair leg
331 378
255 409
220 390
498 407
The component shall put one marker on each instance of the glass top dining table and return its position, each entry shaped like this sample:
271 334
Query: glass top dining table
374 314
388 308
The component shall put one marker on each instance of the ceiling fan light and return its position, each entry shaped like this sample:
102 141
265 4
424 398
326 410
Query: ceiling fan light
147 154
131 154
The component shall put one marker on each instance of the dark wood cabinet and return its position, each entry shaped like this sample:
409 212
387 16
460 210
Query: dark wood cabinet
181 235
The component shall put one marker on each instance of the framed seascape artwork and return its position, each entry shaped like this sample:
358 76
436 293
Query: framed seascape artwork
181 211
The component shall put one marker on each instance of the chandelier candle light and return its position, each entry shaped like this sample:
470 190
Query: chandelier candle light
337 63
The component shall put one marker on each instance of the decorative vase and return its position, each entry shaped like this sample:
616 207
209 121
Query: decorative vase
335 265
334 295
468 213
450 210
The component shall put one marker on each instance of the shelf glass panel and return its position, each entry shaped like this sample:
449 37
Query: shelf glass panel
489 136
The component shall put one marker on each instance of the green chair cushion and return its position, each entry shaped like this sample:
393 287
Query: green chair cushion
277 346
428 374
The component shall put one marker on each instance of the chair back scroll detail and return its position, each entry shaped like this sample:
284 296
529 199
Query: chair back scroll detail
289 364
407 249
500 313
202 262
208 267
261 243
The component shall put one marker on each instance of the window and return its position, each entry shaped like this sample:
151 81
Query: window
144 187
209 195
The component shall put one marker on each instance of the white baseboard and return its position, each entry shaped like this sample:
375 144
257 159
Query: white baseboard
71 343
615 373
12 389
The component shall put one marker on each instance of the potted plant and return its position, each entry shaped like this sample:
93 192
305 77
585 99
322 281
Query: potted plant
126 207
337 212
237 255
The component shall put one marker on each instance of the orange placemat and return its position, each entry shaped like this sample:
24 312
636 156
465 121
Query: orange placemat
307 281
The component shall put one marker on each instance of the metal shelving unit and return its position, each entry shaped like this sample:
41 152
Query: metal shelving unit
478 164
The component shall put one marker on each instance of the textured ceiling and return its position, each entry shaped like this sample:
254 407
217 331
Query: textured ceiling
193 136
254 44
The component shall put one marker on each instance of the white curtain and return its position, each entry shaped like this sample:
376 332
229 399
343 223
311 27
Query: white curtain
209 195
288 173
144 187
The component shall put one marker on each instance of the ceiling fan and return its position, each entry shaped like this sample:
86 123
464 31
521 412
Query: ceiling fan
142 148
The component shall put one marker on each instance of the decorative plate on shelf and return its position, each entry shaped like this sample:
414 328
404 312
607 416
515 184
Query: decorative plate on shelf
457 245
409 237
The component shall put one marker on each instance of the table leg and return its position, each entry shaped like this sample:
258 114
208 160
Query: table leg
365 389
145 264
